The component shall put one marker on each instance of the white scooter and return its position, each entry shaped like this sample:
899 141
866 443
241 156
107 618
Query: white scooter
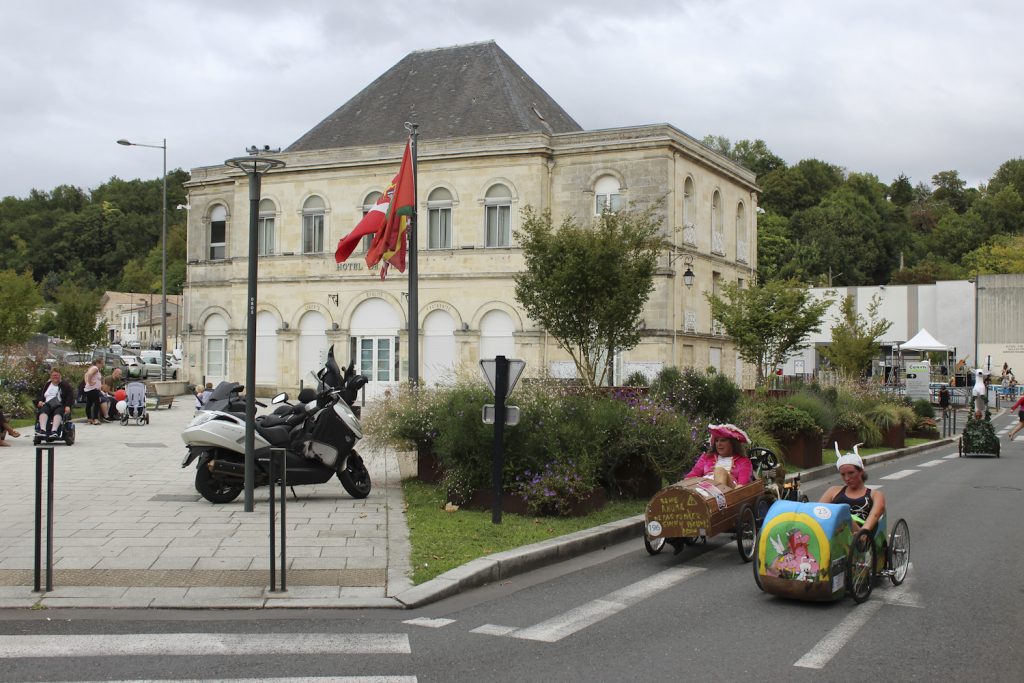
319 435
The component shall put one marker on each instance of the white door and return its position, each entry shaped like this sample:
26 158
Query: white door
312 346
374 332
215 348
439 349
715 360
266 348
496 330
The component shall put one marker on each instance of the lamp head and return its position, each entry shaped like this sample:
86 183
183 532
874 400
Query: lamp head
124 142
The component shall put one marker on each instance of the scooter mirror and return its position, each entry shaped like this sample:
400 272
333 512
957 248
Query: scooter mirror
280 398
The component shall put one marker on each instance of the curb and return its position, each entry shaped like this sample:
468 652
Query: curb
509 563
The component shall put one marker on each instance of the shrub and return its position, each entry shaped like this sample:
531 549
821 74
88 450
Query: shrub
636 379
785 422
704 395
924 408
554 489
408 421
667 440
815 405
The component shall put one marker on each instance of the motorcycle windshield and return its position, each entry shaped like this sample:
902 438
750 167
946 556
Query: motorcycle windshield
331 374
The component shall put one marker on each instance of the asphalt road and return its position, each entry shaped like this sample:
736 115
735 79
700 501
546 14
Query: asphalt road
617 614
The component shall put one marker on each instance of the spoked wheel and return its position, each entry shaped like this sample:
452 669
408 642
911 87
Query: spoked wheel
860 567
355 478
763 457
899 552
654 545
213 490
746 533
761 506
755 565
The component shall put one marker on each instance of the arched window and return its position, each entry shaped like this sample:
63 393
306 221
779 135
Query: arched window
606 195
741 232
689 213
439 206
717 225
313 225
218 232
498 216
265 227
368 203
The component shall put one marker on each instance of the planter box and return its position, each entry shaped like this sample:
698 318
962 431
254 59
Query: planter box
803 452
516 505
846 438
895 437
428 469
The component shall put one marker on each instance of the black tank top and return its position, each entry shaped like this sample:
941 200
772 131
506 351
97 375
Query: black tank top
858 506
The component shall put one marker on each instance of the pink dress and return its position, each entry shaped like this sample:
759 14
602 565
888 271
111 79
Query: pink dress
742 471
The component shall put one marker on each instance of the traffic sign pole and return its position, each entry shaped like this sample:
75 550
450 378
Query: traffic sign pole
498 448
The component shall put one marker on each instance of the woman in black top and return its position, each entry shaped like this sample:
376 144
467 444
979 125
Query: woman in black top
866 506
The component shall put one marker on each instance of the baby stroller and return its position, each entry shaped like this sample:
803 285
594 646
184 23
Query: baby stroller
65 431
135 404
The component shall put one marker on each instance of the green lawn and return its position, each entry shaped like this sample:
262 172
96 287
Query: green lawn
444 540
828 455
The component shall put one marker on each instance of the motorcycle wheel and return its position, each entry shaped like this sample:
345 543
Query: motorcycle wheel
213 490
355 478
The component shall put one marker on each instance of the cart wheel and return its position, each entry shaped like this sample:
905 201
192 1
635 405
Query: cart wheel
654 545
860 567
147 418
756 564
746 533
763 457
761 506
898 555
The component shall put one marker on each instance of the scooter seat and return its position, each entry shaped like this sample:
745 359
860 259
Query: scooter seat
268 421
276 435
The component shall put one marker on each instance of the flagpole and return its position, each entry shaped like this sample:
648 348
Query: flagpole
414 295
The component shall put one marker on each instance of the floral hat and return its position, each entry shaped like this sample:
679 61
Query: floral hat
729 431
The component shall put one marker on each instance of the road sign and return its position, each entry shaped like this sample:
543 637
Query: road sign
511 414
515 368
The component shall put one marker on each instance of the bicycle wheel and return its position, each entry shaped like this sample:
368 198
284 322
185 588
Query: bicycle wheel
860 567
746 533
899 552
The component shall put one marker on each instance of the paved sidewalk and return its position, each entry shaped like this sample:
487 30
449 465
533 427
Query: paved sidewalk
130 530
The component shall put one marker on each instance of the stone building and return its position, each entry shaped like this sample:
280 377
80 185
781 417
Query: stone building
491 142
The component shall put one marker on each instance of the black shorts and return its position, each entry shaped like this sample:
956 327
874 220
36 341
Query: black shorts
1021 415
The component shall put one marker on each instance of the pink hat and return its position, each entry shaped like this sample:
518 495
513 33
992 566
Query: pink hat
729 431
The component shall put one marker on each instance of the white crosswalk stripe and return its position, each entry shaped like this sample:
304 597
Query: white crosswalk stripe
200 644
327 679
931 463
900 474
588 614
428 622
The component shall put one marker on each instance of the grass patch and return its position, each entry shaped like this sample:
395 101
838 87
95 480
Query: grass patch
444 540
828 455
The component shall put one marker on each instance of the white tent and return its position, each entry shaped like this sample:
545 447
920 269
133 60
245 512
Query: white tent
924 341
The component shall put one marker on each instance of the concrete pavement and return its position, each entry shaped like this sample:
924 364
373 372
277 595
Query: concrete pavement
130 531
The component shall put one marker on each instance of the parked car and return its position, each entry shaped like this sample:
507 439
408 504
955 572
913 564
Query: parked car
135 367
78 359
151 359
133 345
130 365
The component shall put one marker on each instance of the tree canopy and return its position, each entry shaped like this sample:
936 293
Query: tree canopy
586 285
78 317
855 337
768 322
19 299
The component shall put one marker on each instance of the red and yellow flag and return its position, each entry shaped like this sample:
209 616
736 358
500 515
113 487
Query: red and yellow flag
387 221
389 244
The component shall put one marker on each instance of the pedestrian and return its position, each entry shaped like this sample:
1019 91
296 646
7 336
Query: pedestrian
1018 406
93 383
5 429
944 400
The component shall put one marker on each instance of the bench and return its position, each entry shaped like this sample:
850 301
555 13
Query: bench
152 395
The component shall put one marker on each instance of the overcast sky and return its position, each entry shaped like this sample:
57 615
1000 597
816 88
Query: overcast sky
900 86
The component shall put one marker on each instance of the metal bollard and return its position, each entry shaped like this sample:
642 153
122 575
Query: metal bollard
284 503
39 518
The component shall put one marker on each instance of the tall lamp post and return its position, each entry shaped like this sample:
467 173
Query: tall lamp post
163 250
253 166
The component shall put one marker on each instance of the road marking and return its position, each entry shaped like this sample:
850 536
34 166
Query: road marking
900 474
588 614
200 644
931 463
950 456
494 630
829 646
429 623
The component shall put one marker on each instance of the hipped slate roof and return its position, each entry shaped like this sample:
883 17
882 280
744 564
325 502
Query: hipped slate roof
466 90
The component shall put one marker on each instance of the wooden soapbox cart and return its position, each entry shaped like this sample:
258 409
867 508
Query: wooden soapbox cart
693 510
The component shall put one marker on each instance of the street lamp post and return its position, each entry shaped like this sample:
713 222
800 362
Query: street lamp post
163 259
253 166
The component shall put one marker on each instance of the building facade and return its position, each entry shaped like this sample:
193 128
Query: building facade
491 144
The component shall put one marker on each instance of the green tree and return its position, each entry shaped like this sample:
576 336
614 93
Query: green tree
855 337
1001 254
901 191
788 190
78 318
950 188
768 322
587 285
753 155
19 298
1010 174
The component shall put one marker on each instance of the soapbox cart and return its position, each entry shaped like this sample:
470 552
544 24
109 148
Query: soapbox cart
693 510
979 437
808 551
